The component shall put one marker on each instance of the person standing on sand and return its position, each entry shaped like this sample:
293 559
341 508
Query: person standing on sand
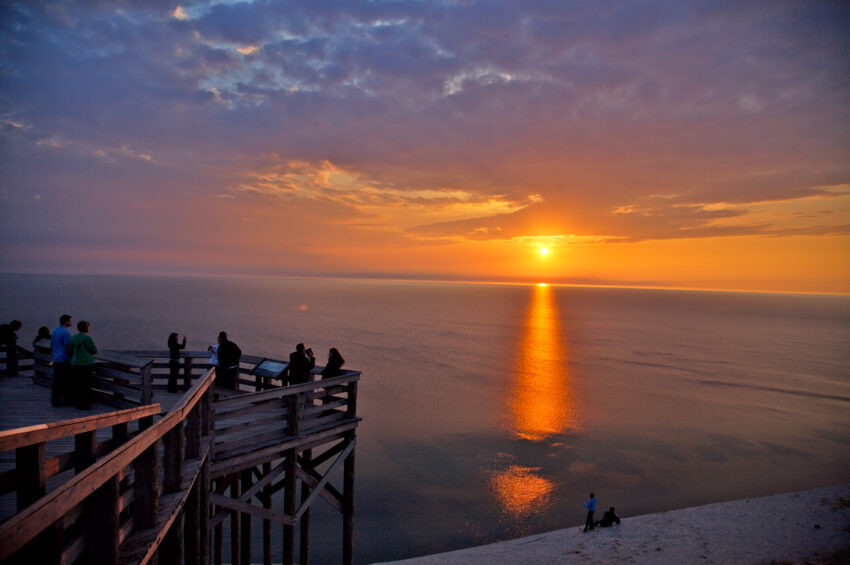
83 350
60 343
591 507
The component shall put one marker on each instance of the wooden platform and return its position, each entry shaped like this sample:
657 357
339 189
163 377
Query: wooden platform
145 483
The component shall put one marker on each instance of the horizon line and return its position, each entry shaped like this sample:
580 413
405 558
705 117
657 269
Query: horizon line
422 279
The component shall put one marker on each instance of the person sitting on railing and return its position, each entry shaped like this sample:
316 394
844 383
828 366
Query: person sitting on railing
301 363
229 355
174 348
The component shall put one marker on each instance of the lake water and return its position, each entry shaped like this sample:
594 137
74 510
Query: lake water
490 411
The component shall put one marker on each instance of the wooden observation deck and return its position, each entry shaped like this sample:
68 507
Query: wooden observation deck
141 482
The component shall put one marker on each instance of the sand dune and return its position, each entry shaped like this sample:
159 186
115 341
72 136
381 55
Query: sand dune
799 527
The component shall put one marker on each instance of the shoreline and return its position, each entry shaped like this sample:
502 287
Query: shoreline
810 526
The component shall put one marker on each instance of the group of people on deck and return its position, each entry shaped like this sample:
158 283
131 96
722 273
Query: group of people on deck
73 359
225 356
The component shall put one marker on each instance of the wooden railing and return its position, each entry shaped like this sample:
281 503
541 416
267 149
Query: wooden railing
120 508
118 380
157 491
265 442
193 364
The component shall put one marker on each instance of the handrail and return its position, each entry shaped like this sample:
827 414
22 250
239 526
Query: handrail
24 526
21 437
291 390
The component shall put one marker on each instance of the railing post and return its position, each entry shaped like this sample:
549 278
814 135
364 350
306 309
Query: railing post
193 433
146 487
174 448
204 511
267 524
147 384
120 434
171 550
351 412
235 533
102 524
192 529
291 463
348 506
246 521
187 372
304 553
84 450
31 479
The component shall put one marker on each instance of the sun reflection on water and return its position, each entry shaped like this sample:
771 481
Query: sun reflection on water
542 399
520 491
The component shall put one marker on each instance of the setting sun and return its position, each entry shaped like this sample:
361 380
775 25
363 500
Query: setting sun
544 251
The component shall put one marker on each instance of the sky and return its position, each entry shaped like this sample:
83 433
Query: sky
653 143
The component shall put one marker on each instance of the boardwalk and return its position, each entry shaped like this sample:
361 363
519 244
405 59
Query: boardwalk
132 481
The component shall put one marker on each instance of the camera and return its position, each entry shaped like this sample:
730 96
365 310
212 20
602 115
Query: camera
309 351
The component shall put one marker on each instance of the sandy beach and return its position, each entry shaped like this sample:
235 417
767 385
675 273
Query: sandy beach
811 526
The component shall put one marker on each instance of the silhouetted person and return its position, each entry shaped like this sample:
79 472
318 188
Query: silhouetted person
301 363
174 348
608 519
228 362
591 507
83 350
60 342
9 339
334 366
43 333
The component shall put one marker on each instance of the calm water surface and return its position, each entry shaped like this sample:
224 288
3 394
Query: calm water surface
490 411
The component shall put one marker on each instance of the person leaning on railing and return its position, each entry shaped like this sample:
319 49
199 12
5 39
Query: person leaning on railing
9 339
83 351
229 355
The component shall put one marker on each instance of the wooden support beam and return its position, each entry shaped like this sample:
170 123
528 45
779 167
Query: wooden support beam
171 549
102 524
204 513
348 507
267 524
235 540
246 519
304 550
233 505
29 473
173 457
85 445
289 507
193 433
305 505
192 527
147 487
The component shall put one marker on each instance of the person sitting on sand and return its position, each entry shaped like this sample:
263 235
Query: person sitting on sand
608 519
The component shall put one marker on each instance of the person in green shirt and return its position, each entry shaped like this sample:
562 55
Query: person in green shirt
83 350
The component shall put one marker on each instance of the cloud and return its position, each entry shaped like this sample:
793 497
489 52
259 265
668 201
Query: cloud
435 121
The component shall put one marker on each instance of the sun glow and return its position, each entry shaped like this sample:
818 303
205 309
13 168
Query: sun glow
544 251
